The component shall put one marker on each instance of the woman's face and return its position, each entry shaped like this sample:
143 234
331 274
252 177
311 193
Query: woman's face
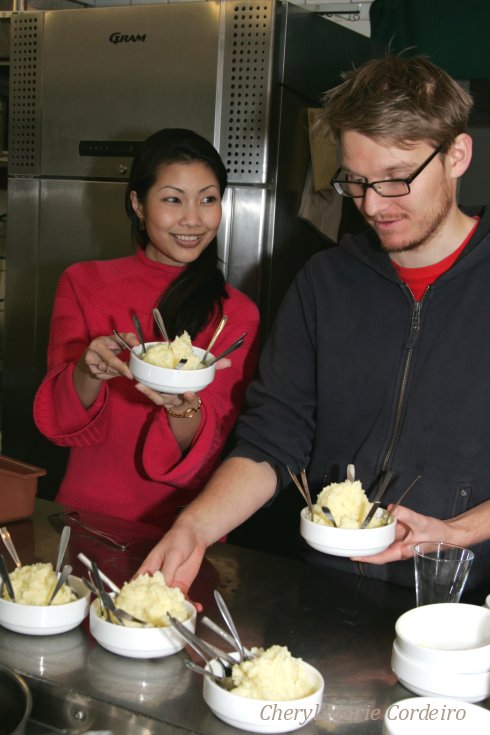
181 212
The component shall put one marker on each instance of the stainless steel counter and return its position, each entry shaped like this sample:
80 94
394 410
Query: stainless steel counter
342 624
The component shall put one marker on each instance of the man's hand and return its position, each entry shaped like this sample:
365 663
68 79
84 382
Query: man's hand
411 529
178 556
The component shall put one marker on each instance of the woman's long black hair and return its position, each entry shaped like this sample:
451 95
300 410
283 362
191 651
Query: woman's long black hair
197 294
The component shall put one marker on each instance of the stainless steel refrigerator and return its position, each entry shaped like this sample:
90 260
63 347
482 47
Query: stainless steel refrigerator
86 85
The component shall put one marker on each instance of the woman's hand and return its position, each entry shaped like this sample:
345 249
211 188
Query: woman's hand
99 363
177 402
101 360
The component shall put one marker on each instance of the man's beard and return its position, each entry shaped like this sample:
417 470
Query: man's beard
431 224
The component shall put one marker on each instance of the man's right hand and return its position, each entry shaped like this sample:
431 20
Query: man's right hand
178 555
237 489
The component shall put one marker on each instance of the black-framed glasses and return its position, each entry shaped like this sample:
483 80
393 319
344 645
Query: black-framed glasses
356 189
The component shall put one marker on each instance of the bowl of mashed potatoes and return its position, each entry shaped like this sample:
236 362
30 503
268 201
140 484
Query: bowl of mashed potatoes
157 369
31 614
349 505
148 598
274 692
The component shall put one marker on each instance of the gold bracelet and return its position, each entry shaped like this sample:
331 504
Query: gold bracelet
188 413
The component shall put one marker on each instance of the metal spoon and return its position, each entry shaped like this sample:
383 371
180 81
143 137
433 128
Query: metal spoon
327 512
86 562
159 322
205 650
306 496
223 608
6 578
9 544
62 578
224 681
214 338
181 363
139 332
351 472
389 513
224 635
121 339
383 484
120 614
229 349
219 631
65 537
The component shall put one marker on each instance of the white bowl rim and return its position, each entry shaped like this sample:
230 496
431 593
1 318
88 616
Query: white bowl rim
346 542
336 530
62 606
106 624
135 352
447 608
313 671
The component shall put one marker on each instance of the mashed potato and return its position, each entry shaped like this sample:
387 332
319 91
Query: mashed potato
168 354
148 598
273 675
348 504
34 583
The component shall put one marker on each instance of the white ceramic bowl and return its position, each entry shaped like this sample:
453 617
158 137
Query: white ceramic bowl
435 716
46 619
139 642
435 681
168 380
448 635
347 541
260 715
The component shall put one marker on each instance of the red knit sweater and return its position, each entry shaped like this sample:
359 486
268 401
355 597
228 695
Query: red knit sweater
124 459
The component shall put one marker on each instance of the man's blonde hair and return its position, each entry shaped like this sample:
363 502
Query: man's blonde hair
402 100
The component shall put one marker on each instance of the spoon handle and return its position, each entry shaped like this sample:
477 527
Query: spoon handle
224 681
86 562
6 578
139 331
159 322
121 340
223 608
327 512
229 349
9 544
383 485
65 573
205 650
404 494
214 337
65 537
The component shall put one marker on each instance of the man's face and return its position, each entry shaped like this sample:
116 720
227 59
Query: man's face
407 222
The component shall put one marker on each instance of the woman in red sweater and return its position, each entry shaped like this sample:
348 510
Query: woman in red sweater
135 453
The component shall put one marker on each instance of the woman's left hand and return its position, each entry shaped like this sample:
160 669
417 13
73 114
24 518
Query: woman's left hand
174 402
180 402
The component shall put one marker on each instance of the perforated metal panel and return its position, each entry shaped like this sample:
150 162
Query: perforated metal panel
24 114
246 79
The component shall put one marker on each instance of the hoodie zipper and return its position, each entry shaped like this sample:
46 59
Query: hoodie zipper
413 335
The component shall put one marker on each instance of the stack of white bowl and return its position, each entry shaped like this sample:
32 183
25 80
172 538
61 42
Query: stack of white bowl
444 650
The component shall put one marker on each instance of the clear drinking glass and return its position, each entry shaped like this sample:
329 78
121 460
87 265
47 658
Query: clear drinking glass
441 571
